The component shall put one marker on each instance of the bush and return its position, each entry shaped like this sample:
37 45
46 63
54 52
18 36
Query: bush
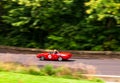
49 70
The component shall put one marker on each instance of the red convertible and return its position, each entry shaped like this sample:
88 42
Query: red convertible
54 56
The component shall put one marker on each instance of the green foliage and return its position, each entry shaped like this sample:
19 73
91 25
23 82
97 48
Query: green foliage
100 9
64 37
60 24
49 70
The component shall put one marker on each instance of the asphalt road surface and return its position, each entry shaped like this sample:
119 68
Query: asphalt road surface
102 66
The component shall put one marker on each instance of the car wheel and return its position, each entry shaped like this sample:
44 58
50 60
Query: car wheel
42 58
60 59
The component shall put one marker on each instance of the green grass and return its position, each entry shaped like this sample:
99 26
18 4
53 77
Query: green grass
10 77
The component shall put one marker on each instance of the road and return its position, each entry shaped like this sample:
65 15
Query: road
102 66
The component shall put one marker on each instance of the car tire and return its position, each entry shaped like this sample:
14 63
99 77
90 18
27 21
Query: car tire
42 58
60 58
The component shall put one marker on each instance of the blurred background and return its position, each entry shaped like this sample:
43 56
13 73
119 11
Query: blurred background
61 24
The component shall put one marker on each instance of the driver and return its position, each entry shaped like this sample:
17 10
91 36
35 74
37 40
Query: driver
55 51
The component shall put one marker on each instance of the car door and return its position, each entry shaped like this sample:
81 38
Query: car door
49 56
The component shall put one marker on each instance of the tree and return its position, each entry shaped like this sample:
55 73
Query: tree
104 10
105 15
61 24
68 36
33 20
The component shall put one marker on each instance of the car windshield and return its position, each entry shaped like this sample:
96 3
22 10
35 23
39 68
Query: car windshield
50 52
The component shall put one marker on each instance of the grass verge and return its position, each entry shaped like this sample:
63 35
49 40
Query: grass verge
10 77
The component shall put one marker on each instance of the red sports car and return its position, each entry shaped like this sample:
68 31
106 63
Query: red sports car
54 56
